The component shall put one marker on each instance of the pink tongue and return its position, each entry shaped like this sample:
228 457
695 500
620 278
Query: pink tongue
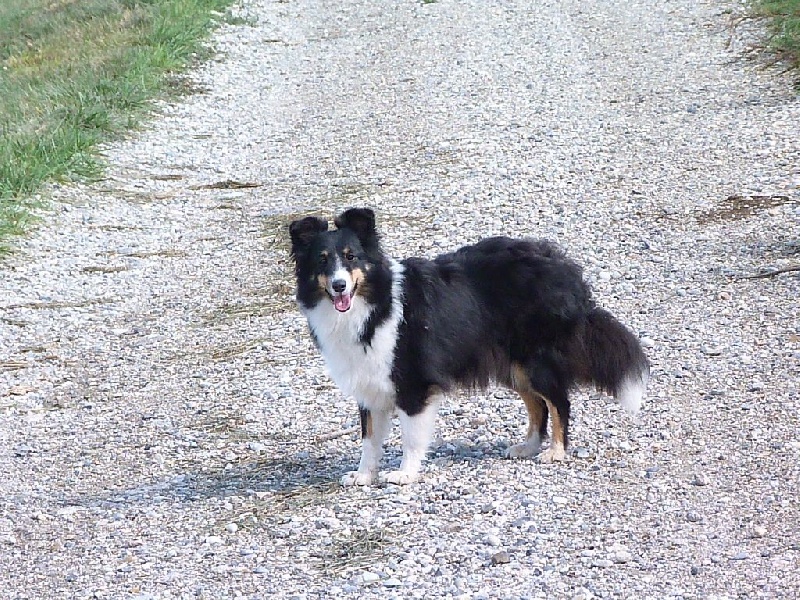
342 303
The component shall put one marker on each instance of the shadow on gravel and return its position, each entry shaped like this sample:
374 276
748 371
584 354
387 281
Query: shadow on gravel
300 477
291 476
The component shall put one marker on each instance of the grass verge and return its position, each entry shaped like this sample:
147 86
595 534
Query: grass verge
76 73
784 27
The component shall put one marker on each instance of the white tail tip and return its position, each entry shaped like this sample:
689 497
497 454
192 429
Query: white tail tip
631 392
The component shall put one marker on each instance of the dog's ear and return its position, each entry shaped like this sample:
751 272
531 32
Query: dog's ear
303 232
362 222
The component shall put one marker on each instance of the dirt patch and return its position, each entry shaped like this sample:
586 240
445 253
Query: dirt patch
740 207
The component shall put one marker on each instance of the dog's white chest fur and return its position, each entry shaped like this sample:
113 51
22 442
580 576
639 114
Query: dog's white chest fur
362 371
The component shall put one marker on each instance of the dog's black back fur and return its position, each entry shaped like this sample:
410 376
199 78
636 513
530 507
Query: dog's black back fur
470 314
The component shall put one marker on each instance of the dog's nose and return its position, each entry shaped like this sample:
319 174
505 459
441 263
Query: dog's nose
339 285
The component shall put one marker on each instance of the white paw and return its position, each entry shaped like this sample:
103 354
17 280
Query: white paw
553 454
525 450
399 477
356 478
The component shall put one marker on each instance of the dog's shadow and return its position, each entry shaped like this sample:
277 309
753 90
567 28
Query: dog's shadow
288 475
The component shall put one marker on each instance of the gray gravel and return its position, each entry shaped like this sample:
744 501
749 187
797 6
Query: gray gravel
168 431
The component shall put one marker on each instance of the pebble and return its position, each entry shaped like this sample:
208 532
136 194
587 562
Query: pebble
501 558
580 452
602 563
740 556
231 528
257 447
699 479
622 556
392 582
758 531
369 577
693 517
492 540
560 500
712 350
647 342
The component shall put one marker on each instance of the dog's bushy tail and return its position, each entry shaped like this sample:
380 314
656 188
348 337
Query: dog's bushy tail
609 356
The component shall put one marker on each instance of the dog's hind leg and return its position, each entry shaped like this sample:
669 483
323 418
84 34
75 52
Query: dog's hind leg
537 415
375 425
559 415
417 433
545 382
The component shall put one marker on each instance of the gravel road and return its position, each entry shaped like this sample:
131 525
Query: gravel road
168 431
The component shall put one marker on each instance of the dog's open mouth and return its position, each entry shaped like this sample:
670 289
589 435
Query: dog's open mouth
341 302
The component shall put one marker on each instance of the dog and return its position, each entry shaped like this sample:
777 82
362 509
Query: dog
399 335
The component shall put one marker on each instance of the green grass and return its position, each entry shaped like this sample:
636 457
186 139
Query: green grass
784 27
76 73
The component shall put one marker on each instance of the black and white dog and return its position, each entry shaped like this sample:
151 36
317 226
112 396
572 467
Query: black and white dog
399 335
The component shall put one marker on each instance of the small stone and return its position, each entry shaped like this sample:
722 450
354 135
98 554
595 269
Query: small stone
740 556
647 342
695 570
650 472
693 517
559 500
712 350
699 479
213 540
759 531
622 557
501 558
392 582
604 276
369 577
582 594
492 540
231 528
756 386
602 563
580 453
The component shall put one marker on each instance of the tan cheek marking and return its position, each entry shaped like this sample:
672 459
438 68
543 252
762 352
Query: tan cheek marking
322 282
358 280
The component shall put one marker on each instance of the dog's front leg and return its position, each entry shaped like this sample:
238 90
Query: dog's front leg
374 429
417 433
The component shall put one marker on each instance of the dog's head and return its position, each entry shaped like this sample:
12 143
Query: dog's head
334 264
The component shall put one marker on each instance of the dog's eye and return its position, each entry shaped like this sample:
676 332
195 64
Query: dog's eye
349 257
